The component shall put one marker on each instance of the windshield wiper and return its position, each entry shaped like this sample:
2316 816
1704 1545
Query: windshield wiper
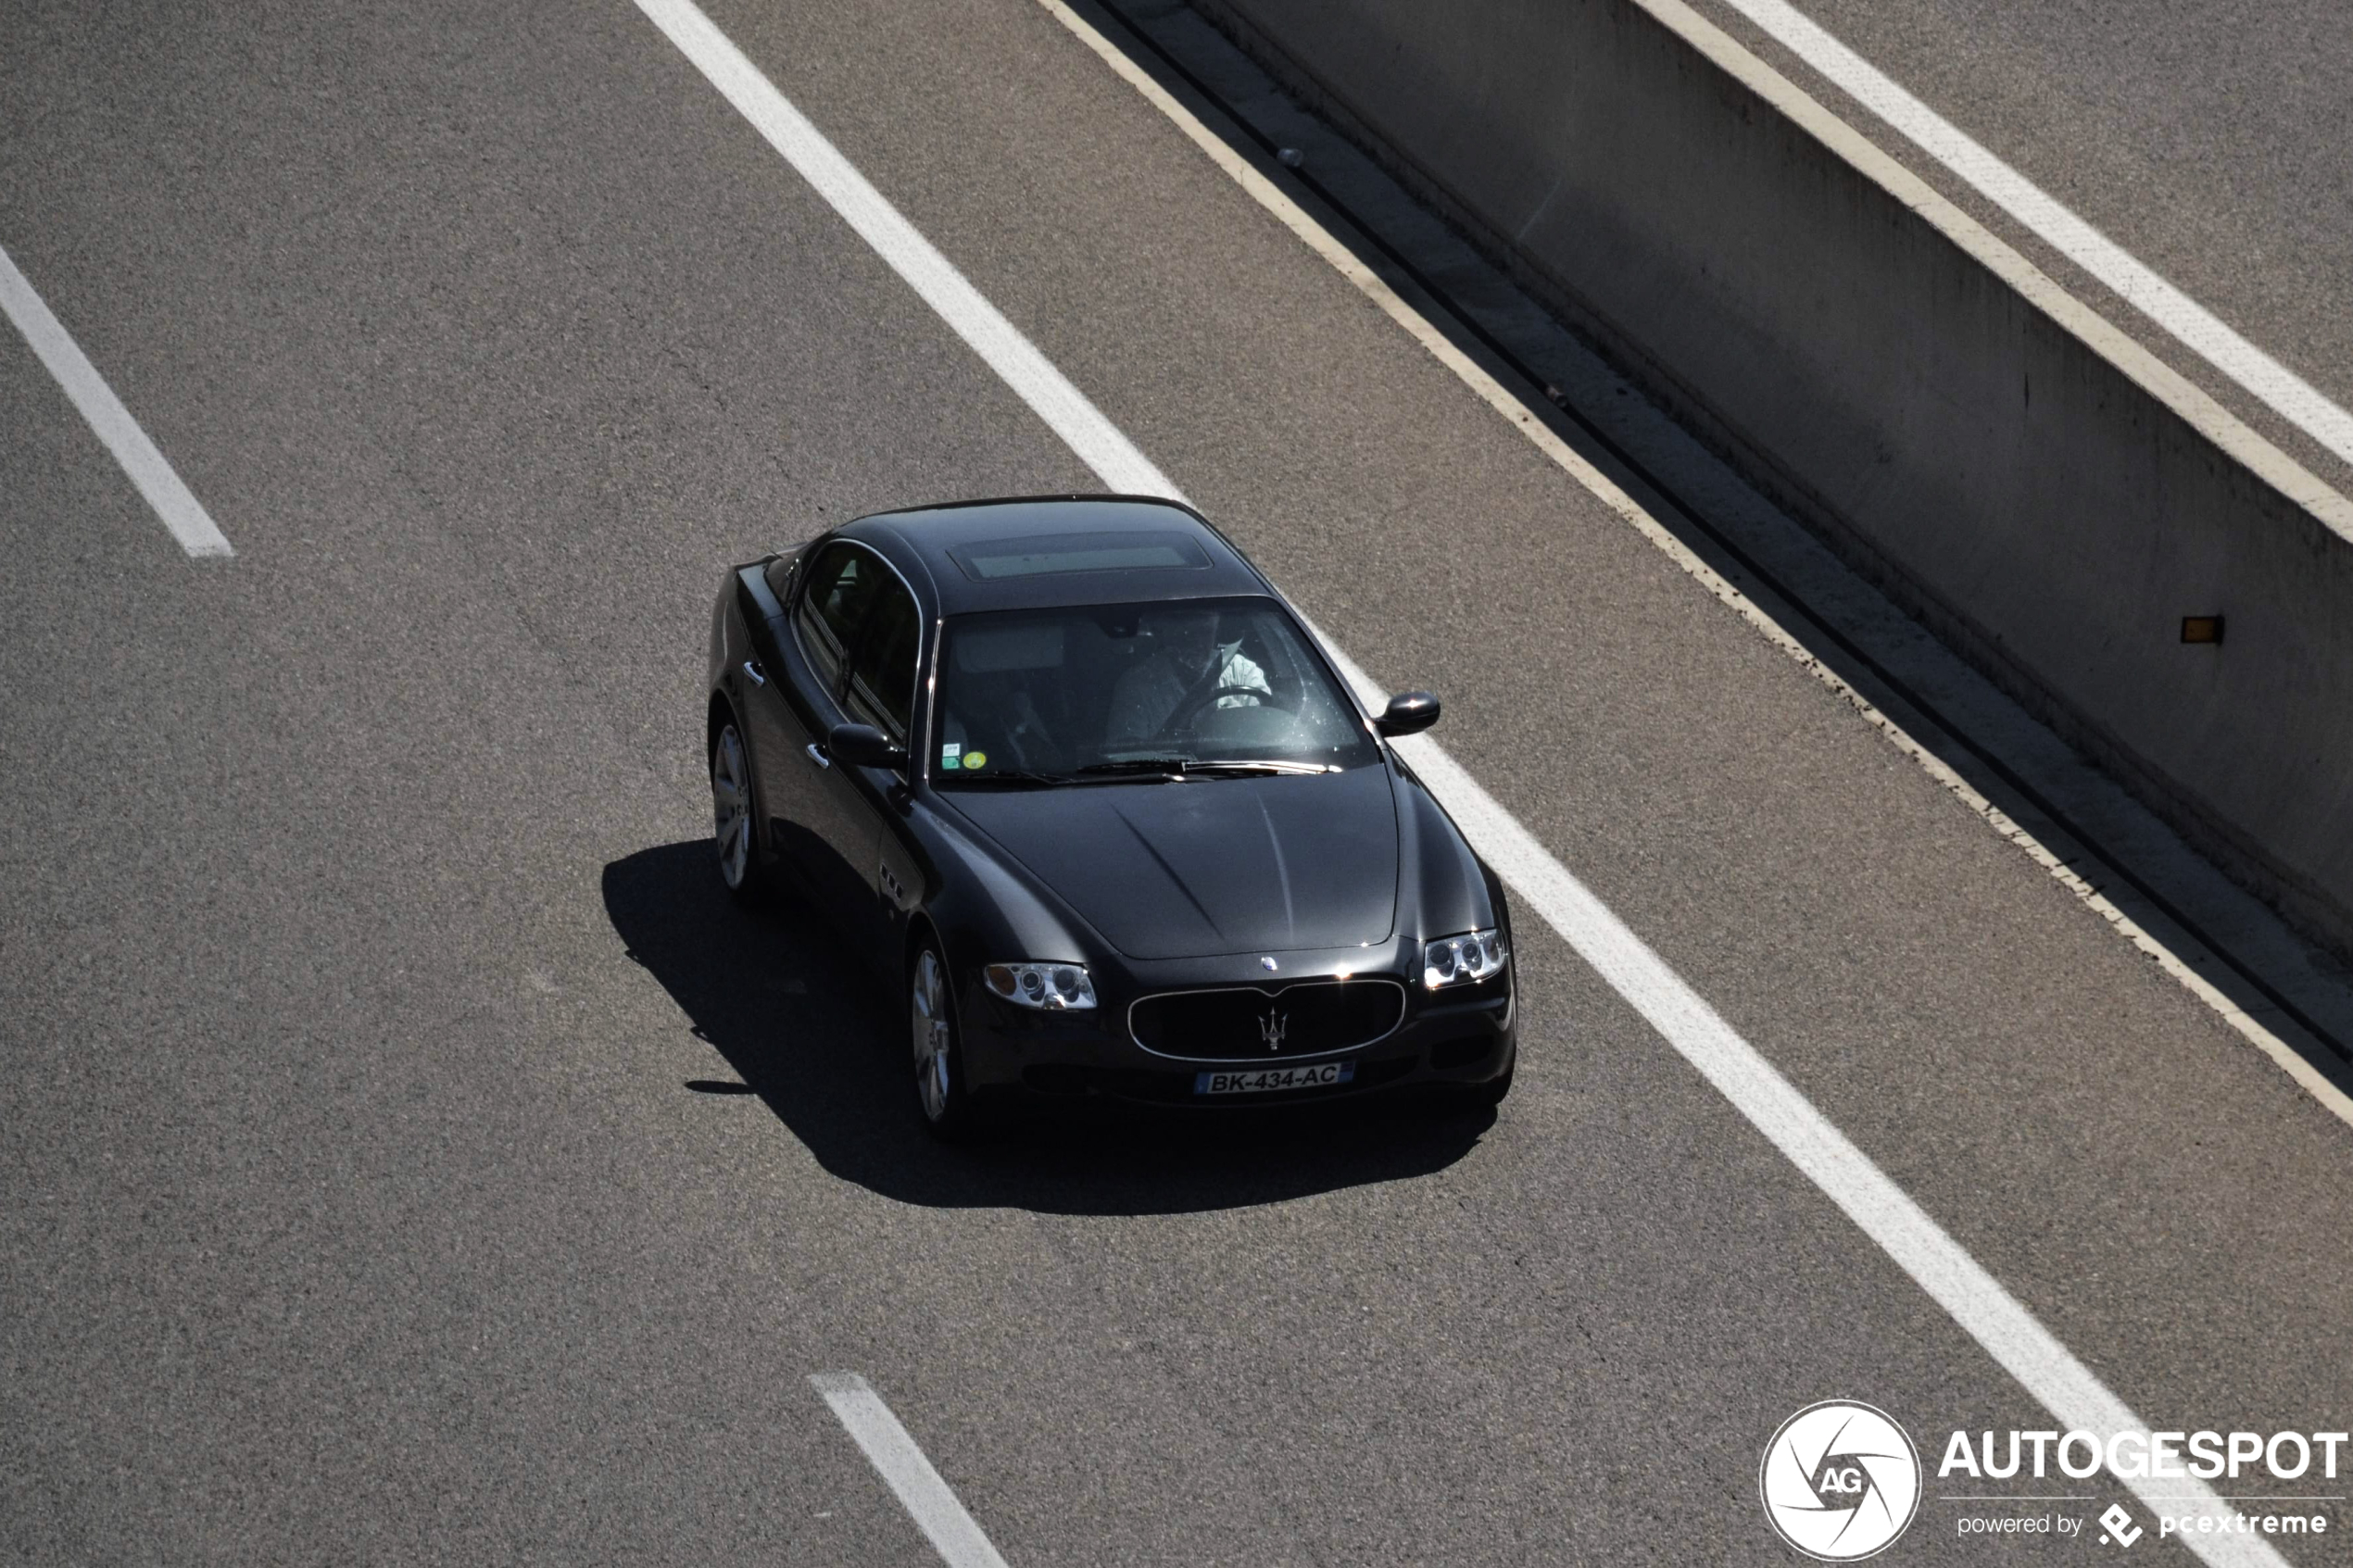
1258 765
1167 767
1022 776
1185 767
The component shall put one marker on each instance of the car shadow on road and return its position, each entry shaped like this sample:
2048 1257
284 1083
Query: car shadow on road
821 1045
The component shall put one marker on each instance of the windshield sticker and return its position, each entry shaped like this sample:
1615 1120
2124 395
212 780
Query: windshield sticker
950 755
975 759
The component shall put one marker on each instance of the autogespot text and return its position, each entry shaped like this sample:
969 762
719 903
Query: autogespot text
2160 1456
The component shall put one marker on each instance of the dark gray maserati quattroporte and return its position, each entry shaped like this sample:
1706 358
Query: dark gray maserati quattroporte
1078 781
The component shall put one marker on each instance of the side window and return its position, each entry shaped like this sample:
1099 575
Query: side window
882 677
832 609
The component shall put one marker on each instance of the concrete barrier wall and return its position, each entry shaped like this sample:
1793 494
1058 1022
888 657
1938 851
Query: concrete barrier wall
2035 484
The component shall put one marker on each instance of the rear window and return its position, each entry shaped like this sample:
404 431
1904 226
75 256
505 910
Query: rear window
1047 554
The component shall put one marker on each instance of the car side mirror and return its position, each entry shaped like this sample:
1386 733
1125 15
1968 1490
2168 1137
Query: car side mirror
1409 713
862 746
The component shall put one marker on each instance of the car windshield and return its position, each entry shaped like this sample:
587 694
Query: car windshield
1171 689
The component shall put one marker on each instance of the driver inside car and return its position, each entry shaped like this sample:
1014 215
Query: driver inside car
1185 670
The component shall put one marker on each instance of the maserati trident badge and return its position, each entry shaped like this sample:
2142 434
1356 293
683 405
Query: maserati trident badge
1270 1029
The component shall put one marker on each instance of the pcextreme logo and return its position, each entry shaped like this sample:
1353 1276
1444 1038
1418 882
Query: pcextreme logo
1840 1481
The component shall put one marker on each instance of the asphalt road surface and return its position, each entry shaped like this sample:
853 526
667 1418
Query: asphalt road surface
2208 138
408 1153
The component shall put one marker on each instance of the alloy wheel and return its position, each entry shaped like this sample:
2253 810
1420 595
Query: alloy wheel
731 808
929 1018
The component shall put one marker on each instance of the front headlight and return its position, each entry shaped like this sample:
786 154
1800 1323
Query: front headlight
1053 986
1463 961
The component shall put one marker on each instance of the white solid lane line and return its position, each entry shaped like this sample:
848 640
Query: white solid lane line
1886 1214
901 1464
2286 393
89 392
1099 443
1999 1324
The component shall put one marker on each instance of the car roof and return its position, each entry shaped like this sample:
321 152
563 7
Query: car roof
919 542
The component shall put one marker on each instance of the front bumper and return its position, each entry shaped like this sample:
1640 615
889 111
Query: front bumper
1459 1037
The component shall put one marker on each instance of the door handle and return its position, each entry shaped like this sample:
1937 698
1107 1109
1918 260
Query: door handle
751 667
817 754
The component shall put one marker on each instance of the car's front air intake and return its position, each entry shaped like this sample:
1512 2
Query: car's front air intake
1246 1023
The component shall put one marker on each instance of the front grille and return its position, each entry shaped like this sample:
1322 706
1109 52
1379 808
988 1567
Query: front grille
1246 1023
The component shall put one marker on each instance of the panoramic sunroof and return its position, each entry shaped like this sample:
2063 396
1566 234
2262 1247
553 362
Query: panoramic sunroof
1043 554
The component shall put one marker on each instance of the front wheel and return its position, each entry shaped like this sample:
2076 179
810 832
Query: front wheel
940 1095
734 815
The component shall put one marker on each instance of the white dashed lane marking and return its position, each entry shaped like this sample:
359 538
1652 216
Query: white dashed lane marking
895 1455
88 390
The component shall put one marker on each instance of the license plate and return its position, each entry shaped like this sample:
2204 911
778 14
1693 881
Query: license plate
1258 1080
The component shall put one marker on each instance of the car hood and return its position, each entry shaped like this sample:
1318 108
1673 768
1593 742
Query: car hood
1181 870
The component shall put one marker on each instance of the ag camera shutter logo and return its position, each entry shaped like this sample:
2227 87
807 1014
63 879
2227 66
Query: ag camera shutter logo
1840 1481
